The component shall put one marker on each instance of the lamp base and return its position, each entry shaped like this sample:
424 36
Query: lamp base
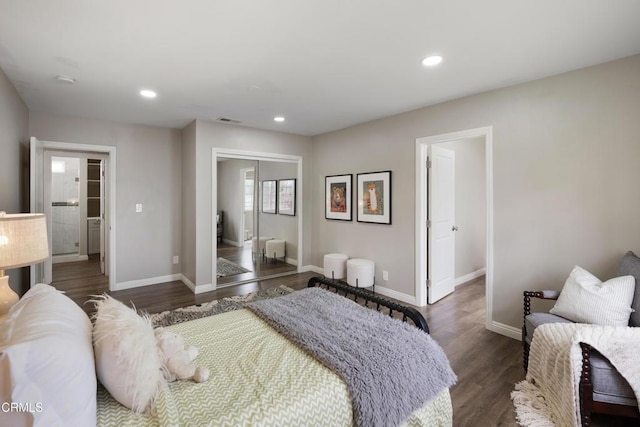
7 297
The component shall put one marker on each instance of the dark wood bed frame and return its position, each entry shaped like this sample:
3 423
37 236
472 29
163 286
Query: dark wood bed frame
368 297
587 404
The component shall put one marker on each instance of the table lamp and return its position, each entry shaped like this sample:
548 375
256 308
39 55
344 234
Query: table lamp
23 241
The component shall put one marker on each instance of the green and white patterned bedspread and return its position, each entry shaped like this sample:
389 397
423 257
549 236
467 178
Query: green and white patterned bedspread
258 378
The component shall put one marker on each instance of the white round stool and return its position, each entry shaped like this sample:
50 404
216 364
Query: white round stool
360 272
258 245
275 248
335 266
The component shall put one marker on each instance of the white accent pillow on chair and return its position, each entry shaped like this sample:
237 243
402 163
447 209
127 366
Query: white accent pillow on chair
586 299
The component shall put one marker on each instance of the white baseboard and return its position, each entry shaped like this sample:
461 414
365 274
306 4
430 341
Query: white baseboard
233 243
208 287
196 289
59 259
409 299
473 275
188 283
314 268
146 282
291 261
506 330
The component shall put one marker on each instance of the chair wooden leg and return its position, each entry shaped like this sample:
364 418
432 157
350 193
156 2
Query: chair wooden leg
525 349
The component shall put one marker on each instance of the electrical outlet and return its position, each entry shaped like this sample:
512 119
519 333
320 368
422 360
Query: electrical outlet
176 259
138 207
385 275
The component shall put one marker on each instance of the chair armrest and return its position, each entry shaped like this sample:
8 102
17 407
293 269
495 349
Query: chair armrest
550 295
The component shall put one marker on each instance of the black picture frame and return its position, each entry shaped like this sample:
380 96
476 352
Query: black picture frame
287 197
339 197
374 197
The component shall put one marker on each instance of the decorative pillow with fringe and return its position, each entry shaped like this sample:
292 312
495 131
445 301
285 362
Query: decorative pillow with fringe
128 363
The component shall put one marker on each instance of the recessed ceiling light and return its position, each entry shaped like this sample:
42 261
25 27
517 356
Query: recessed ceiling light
148 93
430 61
278 119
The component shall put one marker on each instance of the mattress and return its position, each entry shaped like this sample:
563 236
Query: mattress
258 378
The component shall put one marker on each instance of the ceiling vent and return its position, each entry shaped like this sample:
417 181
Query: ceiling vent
228 120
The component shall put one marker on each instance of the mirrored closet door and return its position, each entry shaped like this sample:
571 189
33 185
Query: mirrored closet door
257 231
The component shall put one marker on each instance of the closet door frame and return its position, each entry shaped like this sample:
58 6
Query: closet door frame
259 156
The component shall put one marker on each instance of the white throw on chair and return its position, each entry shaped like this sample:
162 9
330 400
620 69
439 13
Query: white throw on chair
360 272
335 266
275 249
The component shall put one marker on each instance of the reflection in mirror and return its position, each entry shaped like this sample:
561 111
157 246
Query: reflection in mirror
252 243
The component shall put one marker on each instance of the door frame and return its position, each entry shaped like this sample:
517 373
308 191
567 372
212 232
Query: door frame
422 213
48 178
260 156
36 195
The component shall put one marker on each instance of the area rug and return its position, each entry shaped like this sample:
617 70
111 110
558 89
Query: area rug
167 318
228 268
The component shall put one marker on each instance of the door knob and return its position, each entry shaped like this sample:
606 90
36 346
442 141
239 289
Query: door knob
454 228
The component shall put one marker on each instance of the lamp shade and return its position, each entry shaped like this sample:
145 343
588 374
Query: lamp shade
23 240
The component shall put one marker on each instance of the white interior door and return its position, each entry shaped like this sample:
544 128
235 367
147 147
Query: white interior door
441 232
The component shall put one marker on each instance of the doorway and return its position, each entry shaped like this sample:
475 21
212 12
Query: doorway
480 135
74 200
82 216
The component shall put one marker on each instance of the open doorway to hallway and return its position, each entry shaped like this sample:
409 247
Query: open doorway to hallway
471 196
96 193
74 202
470 209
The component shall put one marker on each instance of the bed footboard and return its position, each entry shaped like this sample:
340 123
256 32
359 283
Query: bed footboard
370 298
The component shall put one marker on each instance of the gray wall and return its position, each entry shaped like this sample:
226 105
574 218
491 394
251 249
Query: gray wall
188 259
470 200
14 137
149 164
210 135
566 173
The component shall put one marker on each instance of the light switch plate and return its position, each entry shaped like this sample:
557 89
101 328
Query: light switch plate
138 207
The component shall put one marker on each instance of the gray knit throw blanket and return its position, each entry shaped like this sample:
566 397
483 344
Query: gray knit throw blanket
390 367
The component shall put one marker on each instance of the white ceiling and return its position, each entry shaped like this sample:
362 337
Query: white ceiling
323 64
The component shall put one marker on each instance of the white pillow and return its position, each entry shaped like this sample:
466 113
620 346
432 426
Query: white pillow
128 362
46 362
585 299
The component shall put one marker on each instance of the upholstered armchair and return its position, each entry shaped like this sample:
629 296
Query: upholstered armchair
602 388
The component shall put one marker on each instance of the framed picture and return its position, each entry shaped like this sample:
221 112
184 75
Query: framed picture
338 197
374 197
269 197
287 197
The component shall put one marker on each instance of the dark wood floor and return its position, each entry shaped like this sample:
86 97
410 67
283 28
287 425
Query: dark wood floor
487 364
257 266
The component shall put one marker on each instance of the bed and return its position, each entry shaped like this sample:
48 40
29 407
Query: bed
258 377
